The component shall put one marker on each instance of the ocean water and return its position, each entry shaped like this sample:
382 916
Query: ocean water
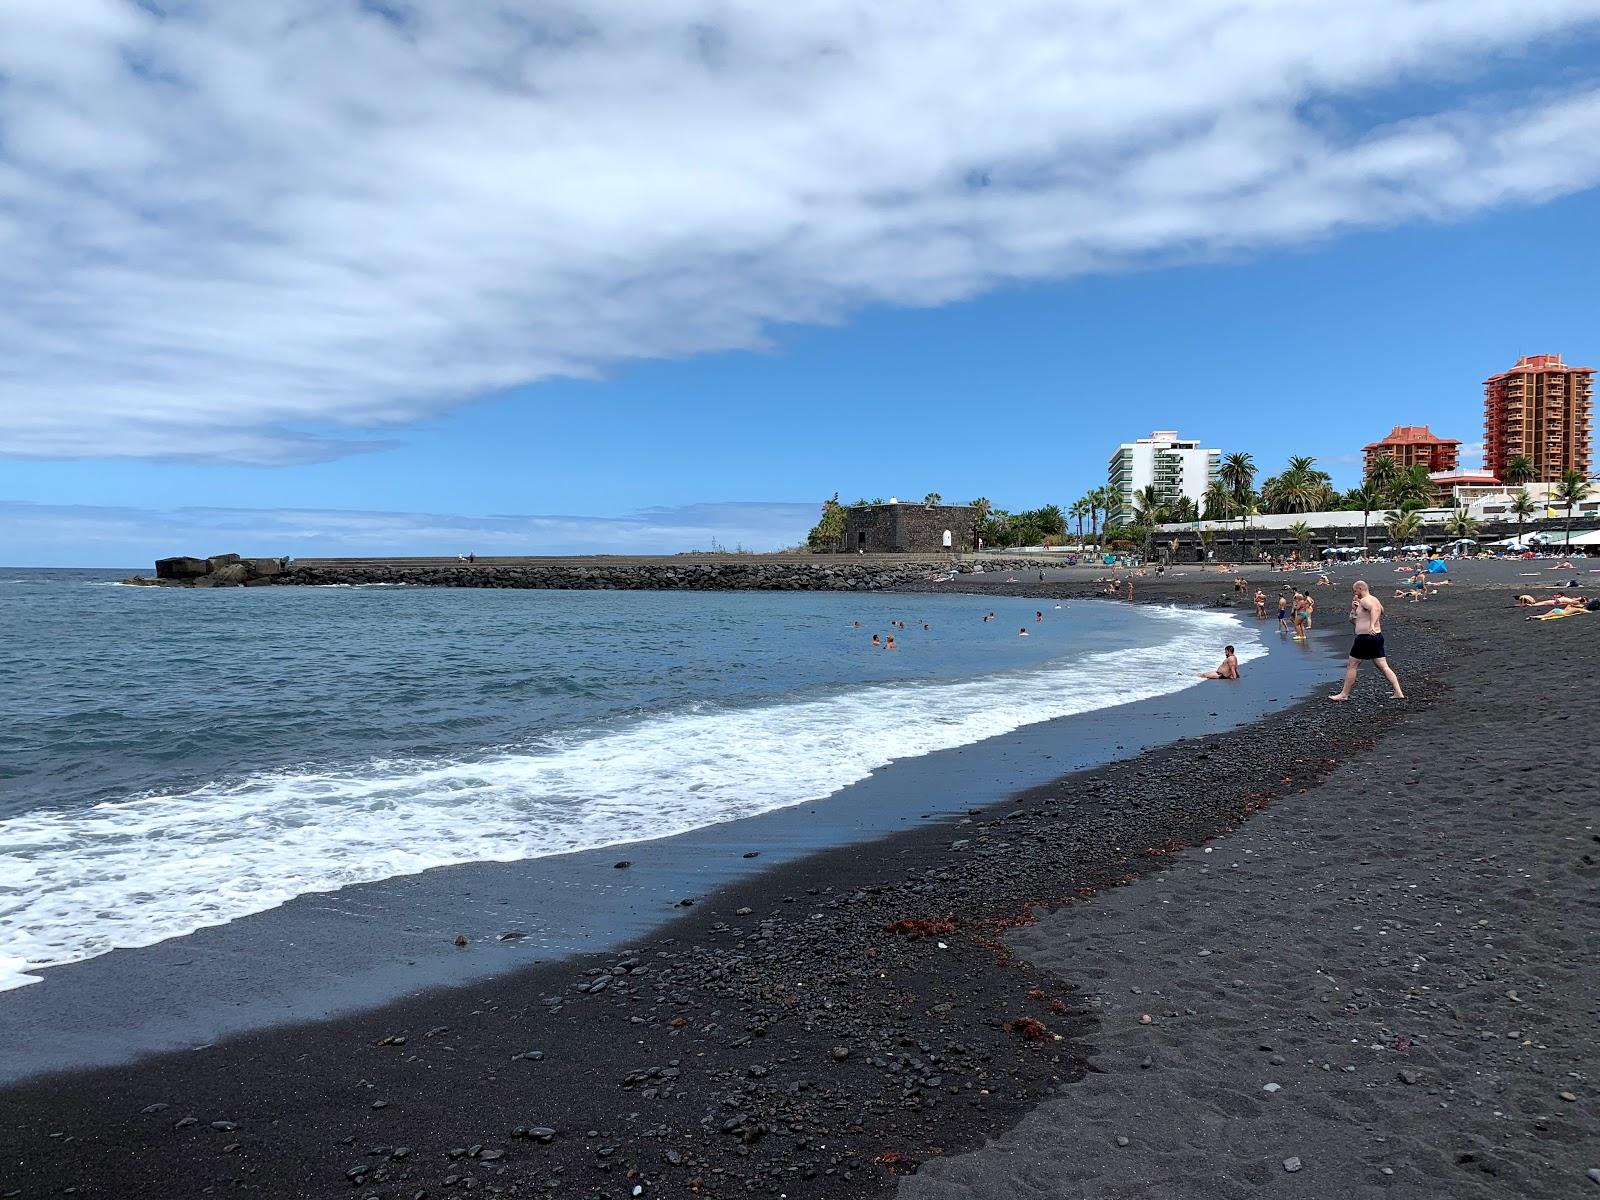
173 759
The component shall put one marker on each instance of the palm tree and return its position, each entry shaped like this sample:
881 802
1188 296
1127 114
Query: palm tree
1574 486
1091 498
931 499
1519 470
1300 488
1249 506
1462 526
1149 506
1300 530
1218 501
1411 487
1523 506
1369 496
1238 471
1402 526
1109 499
1078 510
1051 520
1381 474
981 508
1183 510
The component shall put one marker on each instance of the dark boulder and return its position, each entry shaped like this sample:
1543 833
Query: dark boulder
180 568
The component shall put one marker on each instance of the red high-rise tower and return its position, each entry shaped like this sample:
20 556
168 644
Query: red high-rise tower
1540 409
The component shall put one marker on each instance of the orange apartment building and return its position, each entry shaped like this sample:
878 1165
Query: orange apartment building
1410 445
1540 408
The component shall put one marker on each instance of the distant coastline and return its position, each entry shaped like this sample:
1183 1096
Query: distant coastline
709 572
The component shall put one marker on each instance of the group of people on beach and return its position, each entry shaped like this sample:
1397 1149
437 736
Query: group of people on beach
1366 614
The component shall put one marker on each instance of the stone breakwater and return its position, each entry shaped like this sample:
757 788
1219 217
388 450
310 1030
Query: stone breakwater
820 573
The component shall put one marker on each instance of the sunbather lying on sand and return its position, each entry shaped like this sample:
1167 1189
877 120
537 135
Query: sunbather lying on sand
1555 614
1558 599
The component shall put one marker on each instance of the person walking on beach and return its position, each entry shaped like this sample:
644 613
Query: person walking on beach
1261 605
1311 609
1366 614
1283 613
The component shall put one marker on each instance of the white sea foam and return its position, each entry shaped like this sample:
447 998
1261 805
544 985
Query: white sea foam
75 884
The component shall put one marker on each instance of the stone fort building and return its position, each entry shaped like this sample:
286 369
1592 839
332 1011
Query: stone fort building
894 528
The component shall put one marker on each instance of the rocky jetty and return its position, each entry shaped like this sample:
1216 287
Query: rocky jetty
220 570
733 573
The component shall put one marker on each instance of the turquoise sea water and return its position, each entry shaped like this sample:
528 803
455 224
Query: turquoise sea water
173 759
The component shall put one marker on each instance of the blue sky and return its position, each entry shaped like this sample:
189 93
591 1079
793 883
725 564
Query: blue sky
518 325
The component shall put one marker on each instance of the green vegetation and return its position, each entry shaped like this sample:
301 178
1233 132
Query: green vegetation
1572 488
1519 470
1523 506
828 533
995 526
1460 525
1300 488
1402 526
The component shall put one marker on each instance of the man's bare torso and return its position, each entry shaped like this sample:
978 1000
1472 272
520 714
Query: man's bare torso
1367 613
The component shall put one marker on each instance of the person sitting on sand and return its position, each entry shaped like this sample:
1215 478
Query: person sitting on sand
1324 581
1228 668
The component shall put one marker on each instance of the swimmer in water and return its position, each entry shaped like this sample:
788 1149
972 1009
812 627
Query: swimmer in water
1038 616
1023 632
889 645
877 642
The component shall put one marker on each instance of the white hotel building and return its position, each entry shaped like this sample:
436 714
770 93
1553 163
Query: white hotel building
1175 466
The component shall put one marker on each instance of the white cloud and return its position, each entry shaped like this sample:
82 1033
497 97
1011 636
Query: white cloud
70 535
264 232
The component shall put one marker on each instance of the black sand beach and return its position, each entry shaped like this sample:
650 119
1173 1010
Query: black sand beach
1383 909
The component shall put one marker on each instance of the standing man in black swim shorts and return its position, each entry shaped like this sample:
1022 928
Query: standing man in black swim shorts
1366 613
